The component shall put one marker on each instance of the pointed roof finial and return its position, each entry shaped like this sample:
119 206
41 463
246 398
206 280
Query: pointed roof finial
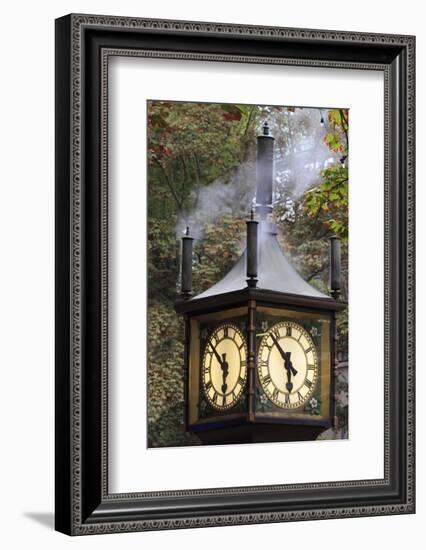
265 129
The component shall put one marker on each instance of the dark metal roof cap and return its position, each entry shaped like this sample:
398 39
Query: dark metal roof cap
274 271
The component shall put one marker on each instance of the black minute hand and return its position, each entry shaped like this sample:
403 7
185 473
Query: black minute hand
217 355
280 349
285 356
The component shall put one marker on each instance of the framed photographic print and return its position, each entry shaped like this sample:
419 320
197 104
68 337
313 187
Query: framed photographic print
234 274
278 383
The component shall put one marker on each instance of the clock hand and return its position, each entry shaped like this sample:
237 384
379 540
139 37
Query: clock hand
291 368
288 365
289 384
285 355
280 349
216 354
225 371
224 366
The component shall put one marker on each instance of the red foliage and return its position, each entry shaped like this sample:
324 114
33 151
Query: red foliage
232 116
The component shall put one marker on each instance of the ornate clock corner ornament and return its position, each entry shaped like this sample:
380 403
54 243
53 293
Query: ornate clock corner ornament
313 406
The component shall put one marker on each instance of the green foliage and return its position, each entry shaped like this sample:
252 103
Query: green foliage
163 256
218 251
165 378
194 143
337 135
342 409
328 202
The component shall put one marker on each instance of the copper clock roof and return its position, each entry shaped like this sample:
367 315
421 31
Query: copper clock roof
274 271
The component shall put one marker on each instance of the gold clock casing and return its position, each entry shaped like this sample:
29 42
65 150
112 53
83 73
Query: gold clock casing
224 366
291 386
253 416
199 328
318 325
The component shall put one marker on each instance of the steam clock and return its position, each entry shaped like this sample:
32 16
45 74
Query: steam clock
260 345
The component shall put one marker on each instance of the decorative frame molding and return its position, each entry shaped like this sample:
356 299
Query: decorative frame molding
84 43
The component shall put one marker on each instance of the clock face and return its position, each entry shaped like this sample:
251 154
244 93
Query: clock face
224 366
287 365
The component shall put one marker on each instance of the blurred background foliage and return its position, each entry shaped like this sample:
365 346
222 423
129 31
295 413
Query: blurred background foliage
201 174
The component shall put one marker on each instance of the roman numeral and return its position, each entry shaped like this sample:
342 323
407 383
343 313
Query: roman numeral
208 385
275 394
276 333
241 381
225 332
311 367
299 396
287 399
266 379
308 383
215 397
288 330
308 350
264 363
243 363
241 347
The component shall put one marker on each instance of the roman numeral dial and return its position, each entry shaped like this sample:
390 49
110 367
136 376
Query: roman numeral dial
287 365
224 366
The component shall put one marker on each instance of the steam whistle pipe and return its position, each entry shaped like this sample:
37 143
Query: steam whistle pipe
264 172
252 227
335 275
186 280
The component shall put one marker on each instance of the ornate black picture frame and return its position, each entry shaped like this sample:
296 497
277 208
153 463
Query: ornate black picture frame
83 45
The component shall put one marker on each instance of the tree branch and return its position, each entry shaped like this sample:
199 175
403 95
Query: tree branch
170 186
344 122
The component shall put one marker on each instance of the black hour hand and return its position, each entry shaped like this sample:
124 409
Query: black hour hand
292 369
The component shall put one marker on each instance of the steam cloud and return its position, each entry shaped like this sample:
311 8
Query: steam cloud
221 197
297 168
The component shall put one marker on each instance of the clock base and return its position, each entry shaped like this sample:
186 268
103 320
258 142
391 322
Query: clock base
260 433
